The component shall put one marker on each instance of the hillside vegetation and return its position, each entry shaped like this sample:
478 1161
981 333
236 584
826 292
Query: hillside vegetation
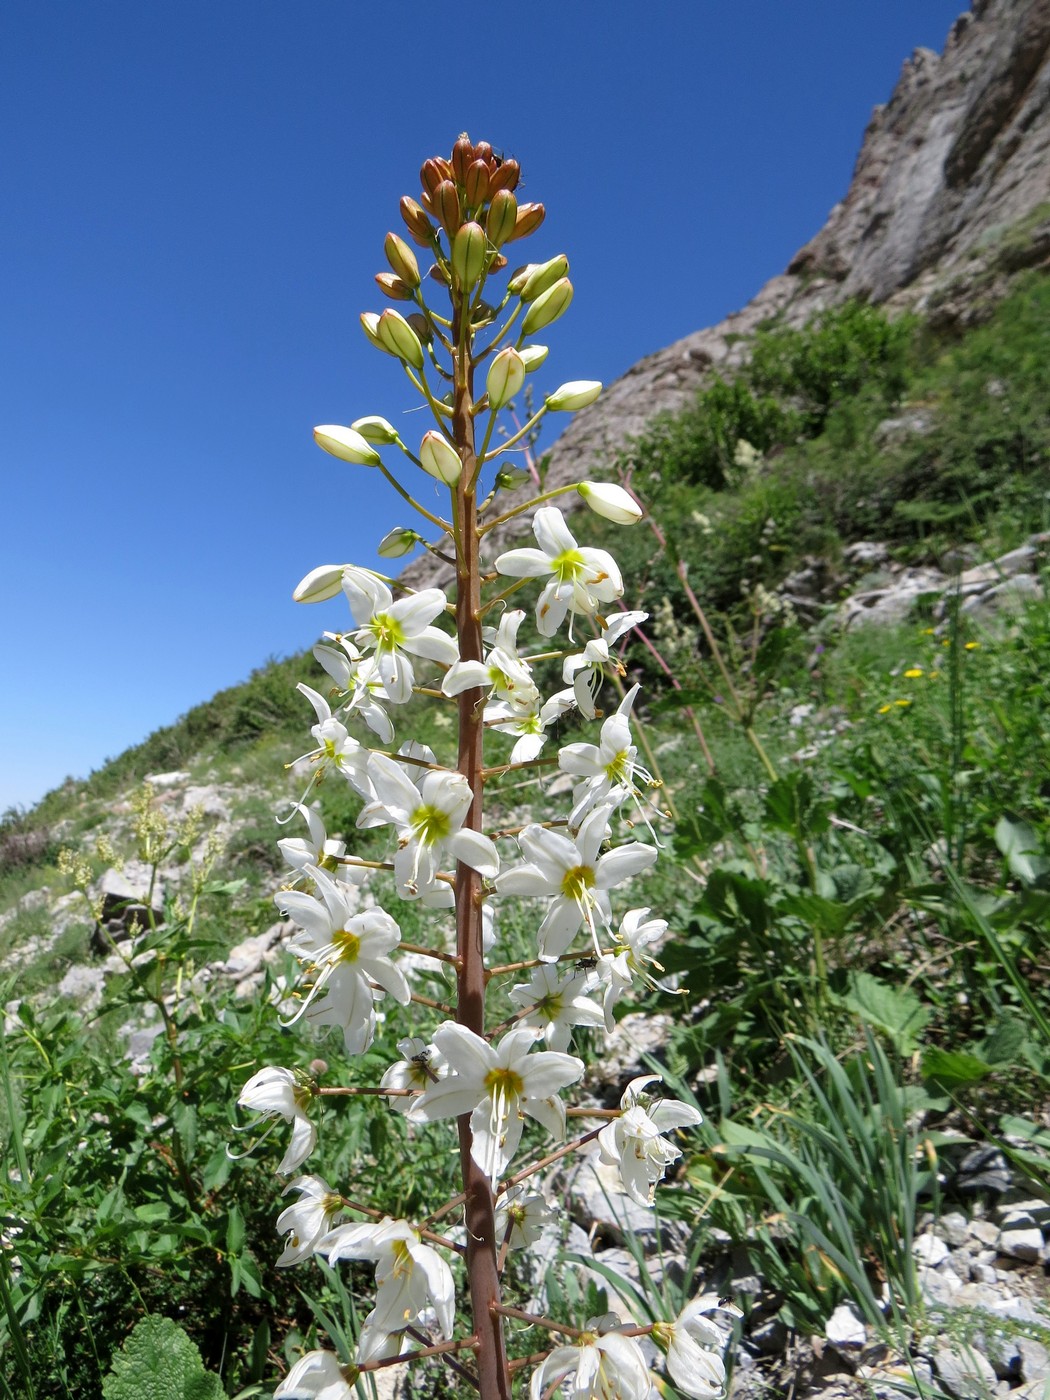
859 896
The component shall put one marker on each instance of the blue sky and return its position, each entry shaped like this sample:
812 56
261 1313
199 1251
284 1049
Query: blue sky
195 200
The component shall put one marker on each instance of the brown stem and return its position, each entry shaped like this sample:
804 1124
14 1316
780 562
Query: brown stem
482 1270
439 1349
429 953
535 1321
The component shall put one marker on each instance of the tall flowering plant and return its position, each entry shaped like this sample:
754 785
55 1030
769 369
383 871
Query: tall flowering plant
488 1068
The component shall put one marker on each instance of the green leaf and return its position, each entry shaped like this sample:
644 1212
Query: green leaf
895 1011
159 1362
1019 843
953 1068
1002 1045
236 1232
184 1116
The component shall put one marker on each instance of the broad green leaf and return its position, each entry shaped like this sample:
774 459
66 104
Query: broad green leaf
953 1068
895 1011
1020 845
159 1362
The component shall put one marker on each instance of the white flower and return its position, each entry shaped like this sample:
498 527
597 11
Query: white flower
335 747
315 1376
629 960
633 1142
357 677
529 724
318 849
428 815
612 502
308 1219
694 1346
323 582
573 872
583 578
577 394
584 670
556 1004
497 1085
346 444
346 953
610 768
422 1066
603 1367
281 1093
521 1216
395 632
410 1277
503 672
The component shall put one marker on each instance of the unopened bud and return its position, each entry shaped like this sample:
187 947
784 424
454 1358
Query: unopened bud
447 208
417 223
397 336
468 255
510 478
393 287
533 356
554 302
376 429
482 151
505 177
476 185
421 326
519 277
323 582
530 216
441 274
438 457
397 543
578 393
501 218
402 260
431 175
612 502
544 275
347 444
370 326
505 377
462 158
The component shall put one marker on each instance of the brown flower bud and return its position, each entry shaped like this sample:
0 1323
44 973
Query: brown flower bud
430 176
469 248
462 156
417 223
421 326
504 177
441 274
447 207
502 216
393 287
530 216
402 260
476 184
483 151
498 263
428 203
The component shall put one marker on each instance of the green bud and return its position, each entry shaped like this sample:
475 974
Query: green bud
547 307
578 393
393 287
612 502
505 377
544 275
346 444
397 543
438 457
469 249
510 478
376 429
397 336
370 326
519 277
503 211
402 260
533 356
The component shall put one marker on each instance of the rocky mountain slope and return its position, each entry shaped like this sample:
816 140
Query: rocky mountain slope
949 198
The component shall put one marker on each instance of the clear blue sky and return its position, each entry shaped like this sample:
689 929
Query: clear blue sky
195 198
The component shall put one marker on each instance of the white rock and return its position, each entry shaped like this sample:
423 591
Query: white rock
1025 1244
166 780
965 1373
930 1250
845 1329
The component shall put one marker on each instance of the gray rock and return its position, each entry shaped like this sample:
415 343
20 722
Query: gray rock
986 1231
983 1273
1035 1207
845 1330
83 985
983 1169
964 1372
1025 1244
892 604
953 1227
770 1337
1035 1359
939 1285
167 780
930 1250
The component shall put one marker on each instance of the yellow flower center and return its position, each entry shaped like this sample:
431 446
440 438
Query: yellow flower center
430 825
576 882
505 1082
348 943
387 631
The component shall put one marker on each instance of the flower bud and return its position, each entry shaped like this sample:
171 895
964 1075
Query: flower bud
421 326
441 274
397 543
468 256
476 184
505 377
376 429
393 287
510 478
547 307
370 326
578 393
533 356
447 207
438 457
323 582
530 216
431 175
417 223
503 212
612 502
544 275
519 277
462 158
504 177
346 444
402 260
397 336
